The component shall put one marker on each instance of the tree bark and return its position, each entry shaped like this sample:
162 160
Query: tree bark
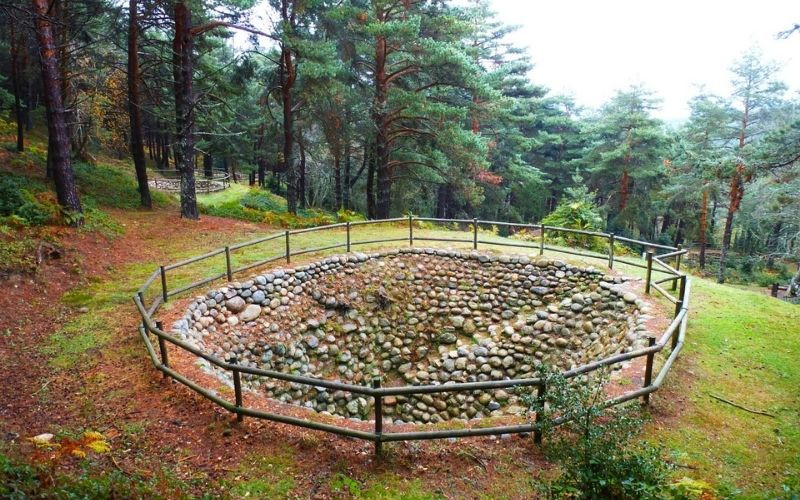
737 191
794 284
135 107
288 74
59 144
337 179
184 109
301 182
623 190
370 190
384 178
347 174
15 86
702 229
208 166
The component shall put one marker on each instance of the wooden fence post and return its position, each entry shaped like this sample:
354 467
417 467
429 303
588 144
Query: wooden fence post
681 293
541 239
411 230
537 432
611 251
228 269
648 370
677 266
376 384
774 290
162 347
474 233
288 251
649 272
348 236
164 295
237 391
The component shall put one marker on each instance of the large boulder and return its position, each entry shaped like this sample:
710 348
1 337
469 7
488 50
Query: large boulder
250 313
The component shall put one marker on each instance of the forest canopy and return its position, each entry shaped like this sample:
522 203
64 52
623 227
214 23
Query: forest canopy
386 107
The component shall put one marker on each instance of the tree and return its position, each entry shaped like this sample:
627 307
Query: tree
135 105
702 151
59 144
624 156
756 95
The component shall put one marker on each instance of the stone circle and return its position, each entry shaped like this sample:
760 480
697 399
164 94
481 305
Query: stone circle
414 316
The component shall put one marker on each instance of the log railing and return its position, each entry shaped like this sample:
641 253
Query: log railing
674 335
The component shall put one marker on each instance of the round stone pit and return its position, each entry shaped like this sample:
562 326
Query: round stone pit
414 316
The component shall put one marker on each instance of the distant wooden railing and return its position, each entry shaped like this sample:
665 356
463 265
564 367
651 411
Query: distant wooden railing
674 334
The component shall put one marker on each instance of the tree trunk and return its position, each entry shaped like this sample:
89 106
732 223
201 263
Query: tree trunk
347 167
14 46
184 108
301 185
703 227
288 74
135 107
208 165
737 191
383 171
794 284
337 179
370 191
623 190
59 146
441 201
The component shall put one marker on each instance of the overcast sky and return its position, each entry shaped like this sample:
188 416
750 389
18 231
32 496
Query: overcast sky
589 49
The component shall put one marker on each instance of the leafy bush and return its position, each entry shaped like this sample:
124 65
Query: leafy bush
595 448
344 215
576 211
258 199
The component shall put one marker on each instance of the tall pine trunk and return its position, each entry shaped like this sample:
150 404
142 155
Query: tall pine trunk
288 74
370 188
383 202
301 181
208 166
735 197
623 190
15 86
347 173
702 229
184 107
737 191
59 144
135 107
337 179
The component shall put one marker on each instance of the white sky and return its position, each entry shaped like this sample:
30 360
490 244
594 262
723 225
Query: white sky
589 49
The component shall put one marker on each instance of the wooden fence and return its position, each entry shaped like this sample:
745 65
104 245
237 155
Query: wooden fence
672 338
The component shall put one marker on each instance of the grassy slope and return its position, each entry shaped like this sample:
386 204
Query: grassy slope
741 345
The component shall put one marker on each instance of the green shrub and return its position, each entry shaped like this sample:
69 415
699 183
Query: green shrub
26 199
595 448
344 215
258 199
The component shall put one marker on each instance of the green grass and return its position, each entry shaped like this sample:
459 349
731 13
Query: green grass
261 476
71 345
386 485
743 346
